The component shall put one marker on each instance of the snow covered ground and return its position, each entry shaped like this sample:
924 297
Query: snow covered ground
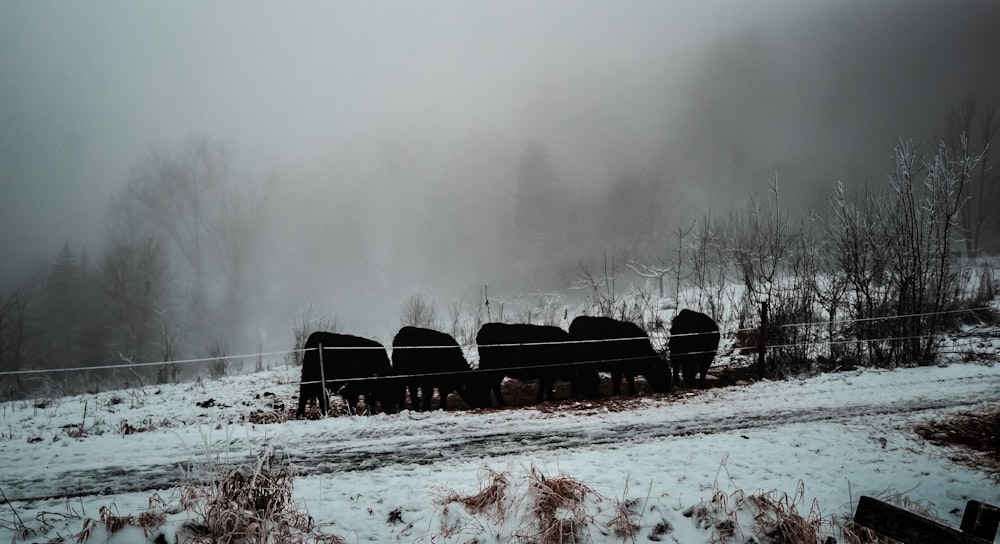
381 478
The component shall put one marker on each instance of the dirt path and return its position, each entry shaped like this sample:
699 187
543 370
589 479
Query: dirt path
378 454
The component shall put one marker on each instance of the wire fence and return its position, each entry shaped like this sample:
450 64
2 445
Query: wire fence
523 366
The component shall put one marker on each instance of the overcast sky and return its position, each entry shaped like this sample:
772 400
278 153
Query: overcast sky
435 95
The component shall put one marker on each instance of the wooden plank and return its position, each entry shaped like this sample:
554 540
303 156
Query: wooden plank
981 520
905 526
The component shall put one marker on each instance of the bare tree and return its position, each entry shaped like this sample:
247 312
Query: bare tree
928 197
170 192
219 366
971 127
710 266
305 325
760 240
896 251
133 275
661 268
861 249
168 372
455 310
542 308
13 312
656 271
208 211
829 285
418 311
798 303
604 297
480 313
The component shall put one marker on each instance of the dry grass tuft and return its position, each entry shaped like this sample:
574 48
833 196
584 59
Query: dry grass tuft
623 523
148 521
923 509
528 508
488 507
250 504
126 428
716 514
778 518
975 435
262 417
559 508
775 516
490 499
856 534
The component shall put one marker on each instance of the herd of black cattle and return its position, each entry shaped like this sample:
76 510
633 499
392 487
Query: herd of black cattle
425 359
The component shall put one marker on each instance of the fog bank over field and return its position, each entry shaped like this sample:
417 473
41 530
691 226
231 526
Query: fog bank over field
398 145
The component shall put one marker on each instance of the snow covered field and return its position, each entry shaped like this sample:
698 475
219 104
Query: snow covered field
384 477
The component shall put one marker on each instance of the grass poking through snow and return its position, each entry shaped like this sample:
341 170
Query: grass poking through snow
250 504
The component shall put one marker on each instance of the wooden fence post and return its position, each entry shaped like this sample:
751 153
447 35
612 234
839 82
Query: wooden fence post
322 378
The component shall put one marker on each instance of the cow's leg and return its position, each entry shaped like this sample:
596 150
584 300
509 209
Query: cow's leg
690 370
586 384
473 391
495 386
616 382
545 387
414 399
324 400
703 374
304 398
427 390
352 402
630 378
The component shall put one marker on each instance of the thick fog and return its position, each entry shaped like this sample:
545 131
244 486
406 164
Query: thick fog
389 138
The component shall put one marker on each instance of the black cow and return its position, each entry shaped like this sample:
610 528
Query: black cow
523 352
621 348
424 351
694 339
347 359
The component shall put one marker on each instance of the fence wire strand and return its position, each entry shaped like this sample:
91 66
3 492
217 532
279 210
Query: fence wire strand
467 349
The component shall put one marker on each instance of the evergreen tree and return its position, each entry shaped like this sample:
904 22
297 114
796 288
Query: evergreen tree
64 310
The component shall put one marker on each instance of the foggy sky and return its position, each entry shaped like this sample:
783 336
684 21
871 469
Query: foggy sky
393 129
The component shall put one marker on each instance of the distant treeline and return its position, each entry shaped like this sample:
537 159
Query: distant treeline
171 278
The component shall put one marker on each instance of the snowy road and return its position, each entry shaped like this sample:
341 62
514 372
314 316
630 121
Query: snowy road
114 464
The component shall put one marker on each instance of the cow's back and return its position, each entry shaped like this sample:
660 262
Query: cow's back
417 350
693 333
506 346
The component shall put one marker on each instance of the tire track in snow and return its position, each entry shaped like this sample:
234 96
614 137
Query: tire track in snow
431 444
330 460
